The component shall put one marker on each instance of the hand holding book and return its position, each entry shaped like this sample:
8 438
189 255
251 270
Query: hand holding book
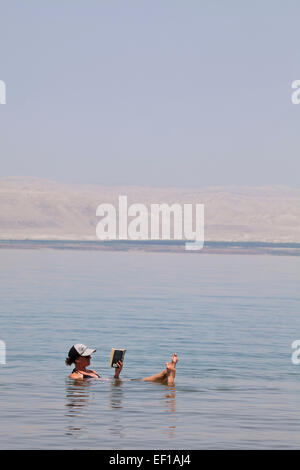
118 369
116 360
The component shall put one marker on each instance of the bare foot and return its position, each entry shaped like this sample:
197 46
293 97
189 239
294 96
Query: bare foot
167 375
171 369
174 359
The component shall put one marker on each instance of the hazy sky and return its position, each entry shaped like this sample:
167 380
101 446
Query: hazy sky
156 92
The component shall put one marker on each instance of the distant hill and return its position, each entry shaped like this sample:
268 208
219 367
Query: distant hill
33 208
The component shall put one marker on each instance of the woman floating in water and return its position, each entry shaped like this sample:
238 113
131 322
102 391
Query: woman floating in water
80 355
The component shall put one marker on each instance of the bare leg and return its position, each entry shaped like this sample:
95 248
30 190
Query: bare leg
167 376
160 377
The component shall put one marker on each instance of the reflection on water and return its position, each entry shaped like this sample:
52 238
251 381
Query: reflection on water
77 397
171 404
116 427
171 408
114 397
116 394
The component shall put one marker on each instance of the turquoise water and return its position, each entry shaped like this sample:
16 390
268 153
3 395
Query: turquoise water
230 318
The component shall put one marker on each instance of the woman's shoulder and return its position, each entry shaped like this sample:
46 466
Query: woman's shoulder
75 375
94 372
80 375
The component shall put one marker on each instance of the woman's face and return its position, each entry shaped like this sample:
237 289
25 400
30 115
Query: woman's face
87 359
83 361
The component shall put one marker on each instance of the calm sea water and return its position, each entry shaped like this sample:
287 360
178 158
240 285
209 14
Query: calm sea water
230 318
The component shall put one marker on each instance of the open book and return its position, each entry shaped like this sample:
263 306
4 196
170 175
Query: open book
116 355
